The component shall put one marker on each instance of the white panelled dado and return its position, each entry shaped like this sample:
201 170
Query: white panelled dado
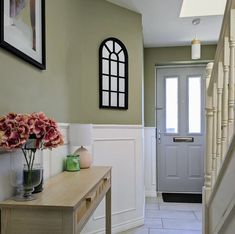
119 146
150 161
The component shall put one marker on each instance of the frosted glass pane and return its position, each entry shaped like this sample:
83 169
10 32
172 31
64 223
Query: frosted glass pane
113 68
121 56
113 99
121 69
105 66
117 47
105 53
110 45
105 84
121 85
113 83
194 102
105 98
172 105
113 56
121 99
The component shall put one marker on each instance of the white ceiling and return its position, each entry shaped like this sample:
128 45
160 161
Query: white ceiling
162 25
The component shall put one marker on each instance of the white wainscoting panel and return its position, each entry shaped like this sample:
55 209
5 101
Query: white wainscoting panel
120 146
150 161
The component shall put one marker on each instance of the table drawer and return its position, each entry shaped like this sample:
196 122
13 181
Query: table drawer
91 201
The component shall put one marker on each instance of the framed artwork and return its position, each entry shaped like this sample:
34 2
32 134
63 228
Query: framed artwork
113 74
22 30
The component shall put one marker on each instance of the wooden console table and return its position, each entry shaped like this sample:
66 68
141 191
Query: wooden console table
64 206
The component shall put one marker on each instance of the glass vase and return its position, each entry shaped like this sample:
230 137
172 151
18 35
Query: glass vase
26 173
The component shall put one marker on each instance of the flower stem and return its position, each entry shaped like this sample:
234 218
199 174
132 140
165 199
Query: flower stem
33 152
26 159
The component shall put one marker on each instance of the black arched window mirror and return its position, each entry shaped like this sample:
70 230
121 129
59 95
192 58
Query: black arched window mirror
113 74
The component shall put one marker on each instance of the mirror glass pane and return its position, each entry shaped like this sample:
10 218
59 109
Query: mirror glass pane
171 105
117 47
109 44
113 68
121 85
105 98
121 99
121 56
194 104
113 56
105 66
105 53
113 83
113 99
121 69
105 84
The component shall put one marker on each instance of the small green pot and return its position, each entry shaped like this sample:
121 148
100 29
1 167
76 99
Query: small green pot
72 163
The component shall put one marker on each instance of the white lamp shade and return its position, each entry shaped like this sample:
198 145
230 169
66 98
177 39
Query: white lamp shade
80 134
196 49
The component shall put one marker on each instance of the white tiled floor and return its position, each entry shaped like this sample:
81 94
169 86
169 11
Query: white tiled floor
170 218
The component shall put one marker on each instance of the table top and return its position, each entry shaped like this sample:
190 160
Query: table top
64 190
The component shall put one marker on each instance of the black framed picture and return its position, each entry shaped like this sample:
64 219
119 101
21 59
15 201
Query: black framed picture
22 30
113 74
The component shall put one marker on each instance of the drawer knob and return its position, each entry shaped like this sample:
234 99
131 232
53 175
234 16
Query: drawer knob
91 197
106 178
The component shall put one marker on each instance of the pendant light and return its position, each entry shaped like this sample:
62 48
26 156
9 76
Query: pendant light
196 44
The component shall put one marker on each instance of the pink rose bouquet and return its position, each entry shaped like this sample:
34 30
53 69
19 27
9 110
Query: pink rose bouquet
29 132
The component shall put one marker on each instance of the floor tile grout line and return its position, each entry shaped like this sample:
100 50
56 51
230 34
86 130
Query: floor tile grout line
196 216
195 219
162 223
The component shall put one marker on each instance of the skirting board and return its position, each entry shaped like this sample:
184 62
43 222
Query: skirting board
122 226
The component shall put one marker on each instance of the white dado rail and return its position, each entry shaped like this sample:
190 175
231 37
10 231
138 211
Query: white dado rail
219 189
119 146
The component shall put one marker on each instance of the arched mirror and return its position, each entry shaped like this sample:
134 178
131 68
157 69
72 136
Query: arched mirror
113 74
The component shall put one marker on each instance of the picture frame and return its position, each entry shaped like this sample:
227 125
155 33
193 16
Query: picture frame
22 30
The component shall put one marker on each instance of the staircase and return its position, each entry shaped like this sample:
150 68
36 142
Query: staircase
219 185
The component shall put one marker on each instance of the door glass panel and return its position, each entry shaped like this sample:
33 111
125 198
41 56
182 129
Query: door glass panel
194 104
172 105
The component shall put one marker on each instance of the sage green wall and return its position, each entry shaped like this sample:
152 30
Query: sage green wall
164 55
68 89
24 88
95 21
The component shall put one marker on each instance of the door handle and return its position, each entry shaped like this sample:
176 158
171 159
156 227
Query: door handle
158 134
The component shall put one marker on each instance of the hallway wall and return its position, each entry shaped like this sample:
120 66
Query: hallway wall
68 90
164 55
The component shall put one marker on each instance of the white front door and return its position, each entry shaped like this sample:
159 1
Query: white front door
180 129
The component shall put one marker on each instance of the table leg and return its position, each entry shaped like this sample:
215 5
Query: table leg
108 214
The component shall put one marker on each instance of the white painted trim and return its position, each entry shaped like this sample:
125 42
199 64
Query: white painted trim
66 125
150 161
114 213
117 126
150 193
128 225
223 169
228 212
122 226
